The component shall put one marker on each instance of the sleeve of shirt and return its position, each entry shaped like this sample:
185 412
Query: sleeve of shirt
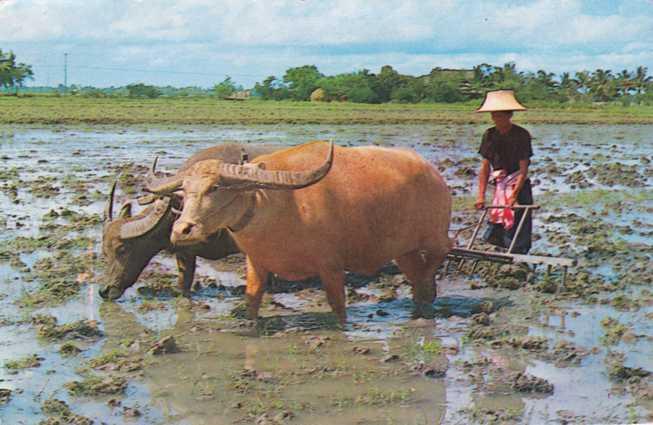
526 149
485 150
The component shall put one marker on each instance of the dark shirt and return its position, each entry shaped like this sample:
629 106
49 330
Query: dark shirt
504 151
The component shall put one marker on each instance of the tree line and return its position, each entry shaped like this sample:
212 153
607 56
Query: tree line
458 85
306 82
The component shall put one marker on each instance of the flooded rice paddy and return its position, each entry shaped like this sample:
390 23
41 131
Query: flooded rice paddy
507 345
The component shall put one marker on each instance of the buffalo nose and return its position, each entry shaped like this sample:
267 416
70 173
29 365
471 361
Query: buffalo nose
104 293
181 231
184 228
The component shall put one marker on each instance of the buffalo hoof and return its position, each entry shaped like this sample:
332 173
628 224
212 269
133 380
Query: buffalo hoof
423 310
111 293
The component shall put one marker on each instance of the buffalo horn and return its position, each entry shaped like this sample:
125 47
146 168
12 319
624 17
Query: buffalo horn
165 185
146 199
151 174
242 177
108 209
126 210
142 224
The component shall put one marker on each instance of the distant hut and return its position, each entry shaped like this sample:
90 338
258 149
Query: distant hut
318 95
239 95
462 77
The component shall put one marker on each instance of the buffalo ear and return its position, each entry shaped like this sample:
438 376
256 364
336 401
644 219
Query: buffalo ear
126 210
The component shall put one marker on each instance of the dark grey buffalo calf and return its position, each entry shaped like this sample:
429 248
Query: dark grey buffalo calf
129 241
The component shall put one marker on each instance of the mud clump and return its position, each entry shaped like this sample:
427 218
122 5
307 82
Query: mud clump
613 330
493 416
60 275
116 361
278 419
577 180
43 187
643 391
159 285
547 285
390 358
22 244
618 372
566 354
624 303
25 363
59 413
434 369
315 342
166 345
95 385
508 277
483 332
525 383
617 173
481 319
5 396
82 329
69 350
361 350
532 343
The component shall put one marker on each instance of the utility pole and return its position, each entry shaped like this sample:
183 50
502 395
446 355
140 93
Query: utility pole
65 72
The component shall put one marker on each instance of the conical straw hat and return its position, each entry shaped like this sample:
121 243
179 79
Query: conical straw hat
500 100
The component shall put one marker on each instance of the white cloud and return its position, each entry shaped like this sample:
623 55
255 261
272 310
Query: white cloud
260 37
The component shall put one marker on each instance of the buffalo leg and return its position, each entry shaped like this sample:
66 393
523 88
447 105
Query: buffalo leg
186 267
334 285
256 280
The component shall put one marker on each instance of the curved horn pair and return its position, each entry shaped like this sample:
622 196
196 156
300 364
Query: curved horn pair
136 226
240 177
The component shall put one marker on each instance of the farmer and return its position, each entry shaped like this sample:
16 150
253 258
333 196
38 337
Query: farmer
505 151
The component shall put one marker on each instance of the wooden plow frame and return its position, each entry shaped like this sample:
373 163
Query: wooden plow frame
469 253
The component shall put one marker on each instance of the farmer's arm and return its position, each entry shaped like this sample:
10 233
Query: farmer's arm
483 176
521 179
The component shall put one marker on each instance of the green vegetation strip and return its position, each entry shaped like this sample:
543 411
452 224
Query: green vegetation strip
80 110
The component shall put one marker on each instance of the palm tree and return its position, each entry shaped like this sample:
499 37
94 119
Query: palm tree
625 82
506 76
568 86
603 86
482 77
640 79
546 79
566 82
583 80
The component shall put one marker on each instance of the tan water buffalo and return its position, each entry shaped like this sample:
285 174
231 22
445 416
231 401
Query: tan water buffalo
129 242
297 215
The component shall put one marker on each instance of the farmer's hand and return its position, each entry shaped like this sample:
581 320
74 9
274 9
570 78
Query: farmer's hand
512 200
480 203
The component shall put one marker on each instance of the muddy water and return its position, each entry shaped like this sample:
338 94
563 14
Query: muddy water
295 366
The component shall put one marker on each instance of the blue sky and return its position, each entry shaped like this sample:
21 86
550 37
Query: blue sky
199 42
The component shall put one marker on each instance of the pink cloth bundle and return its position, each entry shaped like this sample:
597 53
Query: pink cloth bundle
505 186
